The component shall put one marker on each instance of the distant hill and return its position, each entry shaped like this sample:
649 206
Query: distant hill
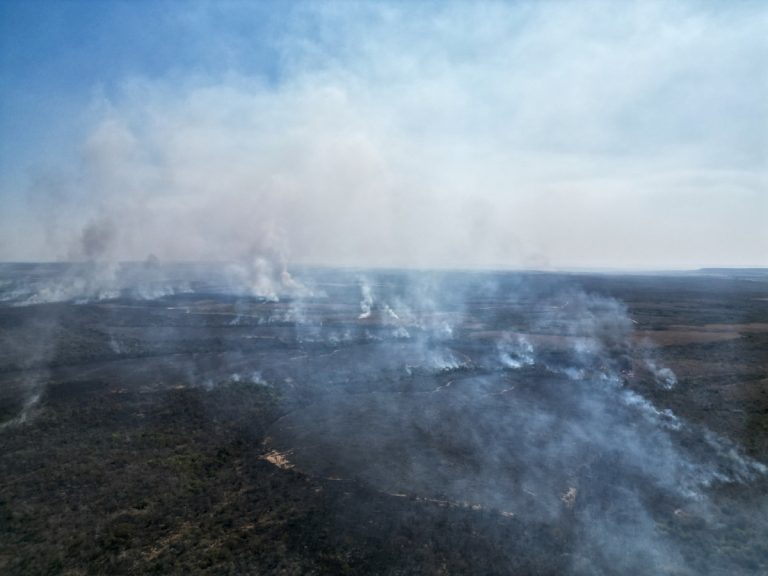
761 273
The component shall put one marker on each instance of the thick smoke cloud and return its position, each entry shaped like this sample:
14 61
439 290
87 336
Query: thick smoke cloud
531 135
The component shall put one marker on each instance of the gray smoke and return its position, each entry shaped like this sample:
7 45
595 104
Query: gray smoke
540 421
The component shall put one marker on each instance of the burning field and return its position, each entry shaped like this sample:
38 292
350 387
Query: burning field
383 423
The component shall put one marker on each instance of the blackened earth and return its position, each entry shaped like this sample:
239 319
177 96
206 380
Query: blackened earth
469 424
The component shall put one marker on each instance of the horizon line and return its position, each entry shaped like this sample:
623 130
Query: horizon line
427 268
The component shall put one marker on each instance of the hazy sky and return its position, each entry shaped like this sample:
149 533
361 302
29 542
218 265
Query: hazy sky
520 134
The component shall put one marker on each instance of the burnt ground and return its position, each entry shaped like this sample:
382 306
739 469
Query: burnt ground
207 433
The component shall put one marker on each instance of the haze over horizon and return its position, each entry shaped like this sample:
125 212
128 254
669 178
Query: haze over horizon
547 135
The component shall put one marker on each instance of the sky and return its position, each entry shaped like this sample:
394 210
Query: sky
548 135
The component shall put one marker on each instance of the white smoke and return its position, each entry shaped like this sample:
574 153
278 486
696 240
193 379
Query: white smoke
463 120
664 376
515 352
366 301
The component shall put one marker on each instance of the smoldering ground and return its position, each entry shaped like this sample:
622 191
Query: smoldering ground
551 431
523 396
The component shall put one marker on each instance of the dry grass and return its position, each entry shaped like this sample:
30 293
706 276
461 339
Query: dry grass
278 459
